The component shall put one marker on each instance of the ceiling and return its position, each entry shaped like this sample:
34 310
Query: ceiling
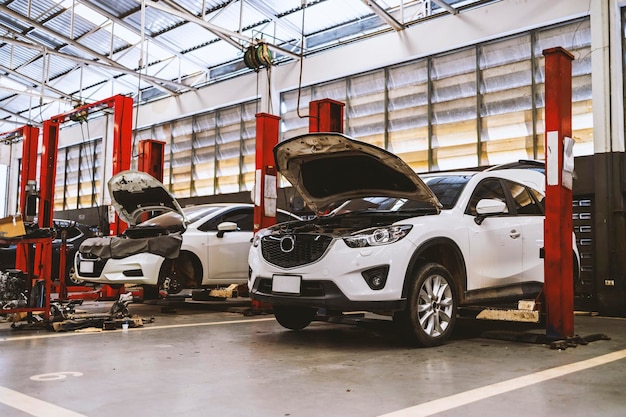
55 55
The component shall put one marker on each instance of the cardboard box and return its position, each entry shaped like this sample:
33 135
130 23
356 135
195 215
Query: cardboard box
11 226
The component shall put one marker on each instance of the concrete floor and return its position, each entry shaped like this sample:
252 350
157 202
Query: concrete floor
212 360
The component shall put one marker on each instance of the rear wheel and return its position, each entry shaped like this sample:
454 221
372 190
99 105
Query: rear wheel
431 308
294 318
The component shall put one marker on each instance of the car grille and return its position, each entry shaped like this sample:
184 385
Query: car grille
288 251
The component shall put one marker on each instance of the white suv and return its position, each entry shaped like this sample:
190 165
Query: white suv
397 244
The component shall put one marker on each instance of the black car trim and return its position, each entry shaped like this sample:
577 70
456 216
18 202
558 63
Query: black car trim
330 297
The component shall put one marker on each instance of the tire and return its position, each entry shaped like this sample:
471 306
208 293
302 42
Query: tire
294 318
430 314
71 279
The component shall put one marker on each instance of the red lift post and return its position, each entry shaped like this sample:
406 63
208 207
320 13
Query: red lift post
150 158
558 262
266 180
326 115
151 154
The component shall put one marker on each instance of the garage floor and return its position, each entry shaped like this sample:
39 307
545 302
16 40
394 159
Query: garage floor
209 359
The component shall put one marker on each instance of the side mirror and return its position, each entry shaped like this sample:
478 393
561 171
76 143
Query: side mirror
224 227
488 207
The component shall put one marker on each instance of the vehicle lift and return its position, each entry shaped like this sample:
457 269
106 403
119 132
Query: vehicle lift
122 148
558 288
122 107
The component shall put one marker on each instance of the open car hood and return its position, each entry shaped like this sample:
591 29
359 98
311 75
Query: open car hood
134 193
328 168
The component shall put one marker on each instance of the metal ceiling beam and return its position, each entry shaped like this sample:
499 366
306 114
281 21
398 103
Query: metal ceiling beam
218 31
73 58
31 94
131 28
34 82
382 13
266 11
112 63
105 74
222 33
446 6
18 116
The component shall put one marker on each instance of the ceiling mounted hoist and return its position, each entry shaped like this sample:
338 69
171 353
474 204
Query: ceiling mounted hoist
258 55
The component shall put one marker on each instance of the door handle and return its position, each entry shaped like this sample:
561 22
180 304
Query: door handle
514 234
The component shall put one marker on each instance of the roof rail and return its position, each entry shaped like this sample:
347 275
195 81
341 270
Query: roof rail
520 164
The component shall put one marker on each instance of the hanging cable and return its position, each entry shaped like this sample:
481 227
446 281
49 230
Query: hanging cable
301 63
269 90
141 67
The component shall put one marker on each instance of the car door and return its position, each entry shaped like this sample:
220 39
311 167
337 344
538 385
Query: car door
496 244
228 251
530 214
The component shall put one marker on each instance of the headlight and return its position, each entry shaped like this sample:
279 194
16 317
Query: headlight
377 236
256 240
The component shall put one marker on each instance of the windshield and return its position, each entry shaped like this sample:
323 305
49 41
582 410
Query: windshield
447 188
393 204
172 218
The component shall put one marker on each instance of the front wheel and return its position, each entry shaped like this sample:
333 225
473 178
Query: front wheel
430 314
71 279
294 318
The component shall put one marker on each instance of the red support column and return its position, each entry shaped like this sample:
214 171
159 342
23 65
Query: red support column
326 115
266 180
150 160
122 145
29 161
45 213
30 144
267 126
558 263
48 172
151 156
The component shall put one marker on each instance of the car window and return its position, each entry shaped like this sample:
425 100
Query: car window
540 198
73 232
244 217
489 188
525 203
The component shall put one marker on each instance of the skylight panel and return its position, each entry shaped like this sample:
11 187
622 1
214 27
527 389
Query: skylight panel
85 12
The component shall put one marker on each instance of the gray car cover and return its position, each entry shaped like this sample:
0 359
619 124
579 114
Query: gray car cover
120 247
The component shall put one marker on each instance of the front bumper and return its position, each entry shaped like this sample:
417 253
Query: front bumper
329 297
139 269
335 281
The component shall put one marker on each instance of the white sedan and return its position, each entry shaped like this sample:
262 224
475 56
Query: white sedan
197 246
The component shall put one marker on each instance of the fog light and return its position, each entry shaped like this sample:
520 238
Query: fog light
133 273
376 278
